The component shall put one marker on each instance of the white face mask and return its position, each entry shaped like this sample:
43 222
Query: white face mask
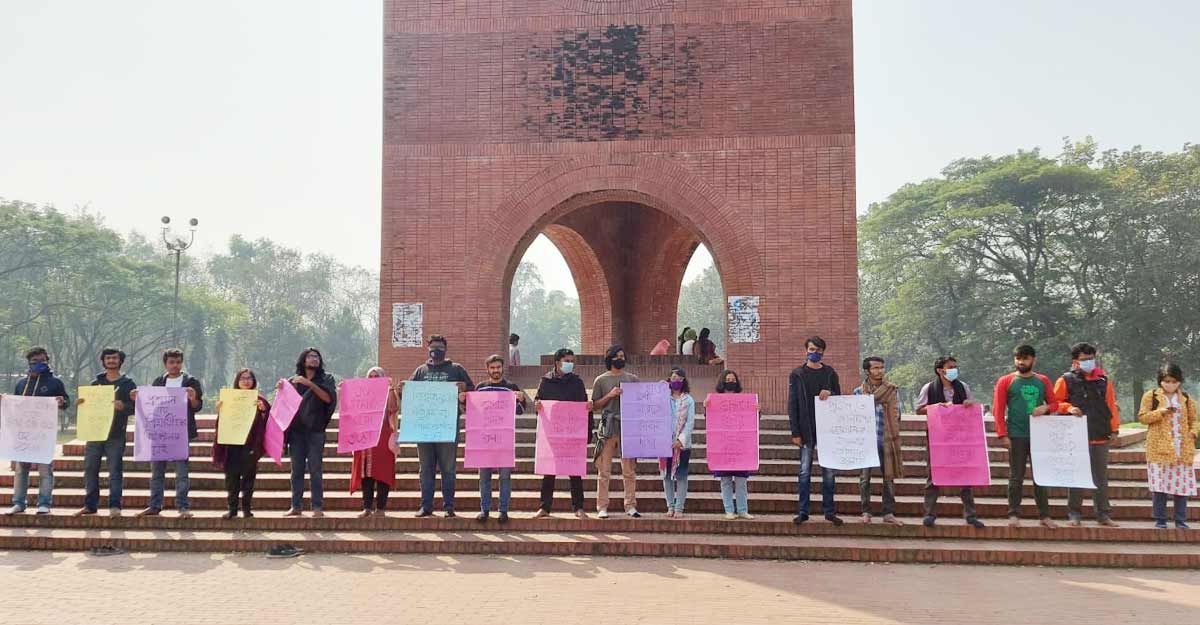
1087 365
567 367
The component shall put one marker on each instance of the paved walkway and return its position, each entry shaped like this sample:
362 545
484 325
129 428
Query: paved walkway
57 588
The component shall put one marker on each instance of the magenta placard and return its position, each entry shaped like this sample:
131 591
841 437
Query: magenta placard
283 410
731 426
562 439
958 446
362 403
491 430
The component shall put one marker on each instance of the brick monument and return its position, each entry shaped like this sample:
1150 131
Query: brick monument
628 132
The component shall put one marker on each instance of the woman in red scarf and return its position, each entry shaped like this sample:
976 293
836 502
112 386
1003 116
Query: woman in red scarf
374 469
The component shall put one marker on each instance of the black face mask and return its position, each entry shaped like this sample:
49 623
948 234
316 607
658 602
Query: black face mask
437 354
733 387
618 364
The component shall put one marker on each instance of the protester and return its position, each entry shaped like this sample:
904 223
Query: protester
174 378
887 438
306 434
675 469
1087 390
112 448
661 348
687 342
561 384
1019 396
39 381
514 352
1170 416
946 389
706 350
606 397
374 469
807 384
496 381
440 457
240 462
734 486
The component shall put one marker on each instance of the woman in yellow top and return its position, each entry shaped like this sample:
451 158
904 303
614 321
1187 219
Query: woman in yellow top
1170 445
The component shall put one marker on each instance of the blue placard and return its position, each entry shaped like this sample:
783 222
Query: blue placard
429 412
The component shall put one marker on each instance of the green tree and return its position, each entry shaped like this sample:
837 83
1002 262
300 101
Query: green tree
702 305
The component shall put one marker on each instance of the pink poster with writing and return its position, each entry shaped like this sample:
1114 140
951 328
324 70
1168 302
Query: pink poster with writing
283 410
491 430
362 403
731 428
562 439
958 453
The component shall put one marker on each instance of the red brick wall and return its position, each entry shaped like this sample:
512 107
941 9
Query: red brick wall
629 131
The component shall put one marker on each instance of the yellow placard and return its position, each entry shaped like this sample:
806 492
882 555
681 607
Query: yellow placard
238 408
96 412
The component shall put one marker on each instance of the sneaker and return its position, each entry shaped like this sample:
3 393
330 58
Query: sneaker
579 514
111 512
800 518
891 519
424 513
106 550
84 512
1014 522
976 523
1048 523
503 518
450 514
928 521
545 514
246 514
283 551
364 514
729 516
293 512
149 512
43 510
1107 522
482 517
229 515
317 513
185 514
602 513
833 518
1180 525
14 510
1162 525
866 518
634 513
745 516
1075 522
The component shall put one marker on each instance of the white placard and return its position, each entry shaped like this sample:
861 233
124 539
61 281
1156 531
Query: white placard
407 325
28 427
1059 446
846 432
743 319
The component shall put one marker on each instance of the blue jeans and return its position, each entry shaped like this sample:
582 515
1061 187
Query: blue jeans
307 450
828 507
21 483
485 489
114 450
158 477
730 484
675 479
437 457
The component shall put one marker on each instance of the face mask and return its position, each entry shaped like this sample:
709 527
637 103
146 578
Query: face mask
39 368
618 364
437 354
733 387
1087 365
567 367
1170 387
676 385
952 374
814 356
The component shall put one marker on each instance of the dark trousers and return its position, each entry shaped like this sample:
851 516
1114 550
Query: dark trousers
889 490
1159 507
375 494
933 492
1018 456
1098 455
576 492
241 468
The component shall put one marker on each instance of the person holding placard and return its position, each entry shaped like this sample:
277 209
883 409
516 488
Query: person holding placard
1019 396
112 448
1170 417
561 384
811 382
675 469
174 378
497 382
735 493
606 397
887 436
40 381
437 458
946 389
374 469
1086 390
240 462
306 434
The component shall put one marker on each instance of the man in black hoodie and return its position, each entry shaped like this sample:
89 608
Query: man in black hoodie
439 457
306 434
112 448
809 383
176 378
40 382
561 384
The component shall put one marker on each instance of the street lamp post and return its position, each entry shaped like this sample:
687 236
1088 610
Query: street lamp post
177 246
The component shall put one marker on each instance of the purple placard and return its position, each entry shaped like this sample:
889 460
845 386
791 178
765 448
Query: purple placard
646 420
161 430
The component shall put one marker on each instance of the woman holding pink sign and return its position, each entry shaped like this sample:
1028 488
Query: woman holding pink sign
735 487
374 469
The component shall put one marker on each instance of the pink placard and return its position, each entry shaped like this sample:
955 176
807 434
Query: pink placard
491 430
562 439
362 403
958 453
283 410
731 425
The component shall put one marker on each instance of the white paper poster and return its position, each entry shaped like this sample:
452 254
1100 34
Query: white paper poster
28 427
407 325
743 319
846 432
1059 446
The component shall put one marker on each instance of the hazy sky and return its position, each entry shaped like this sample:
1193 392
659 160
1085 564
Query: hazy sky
263 117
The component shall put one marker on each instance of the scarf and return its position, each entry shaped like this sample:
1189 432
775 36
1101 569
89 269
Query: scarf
681 412
887 396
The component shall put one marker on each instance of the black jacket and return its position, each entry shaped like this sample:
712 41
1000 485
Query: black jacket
566 387
192 383
800 401
124 386
314 415
44 385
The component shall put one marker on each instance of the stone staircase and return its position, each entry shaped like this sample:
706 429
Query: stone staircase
703 533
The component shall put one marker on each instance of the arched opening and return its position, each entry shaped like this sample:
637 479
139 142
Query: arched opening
702 300
544 308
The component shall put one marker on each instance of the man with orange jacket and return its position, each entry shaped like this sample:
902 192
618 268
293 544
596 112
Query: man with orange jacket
1086 390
